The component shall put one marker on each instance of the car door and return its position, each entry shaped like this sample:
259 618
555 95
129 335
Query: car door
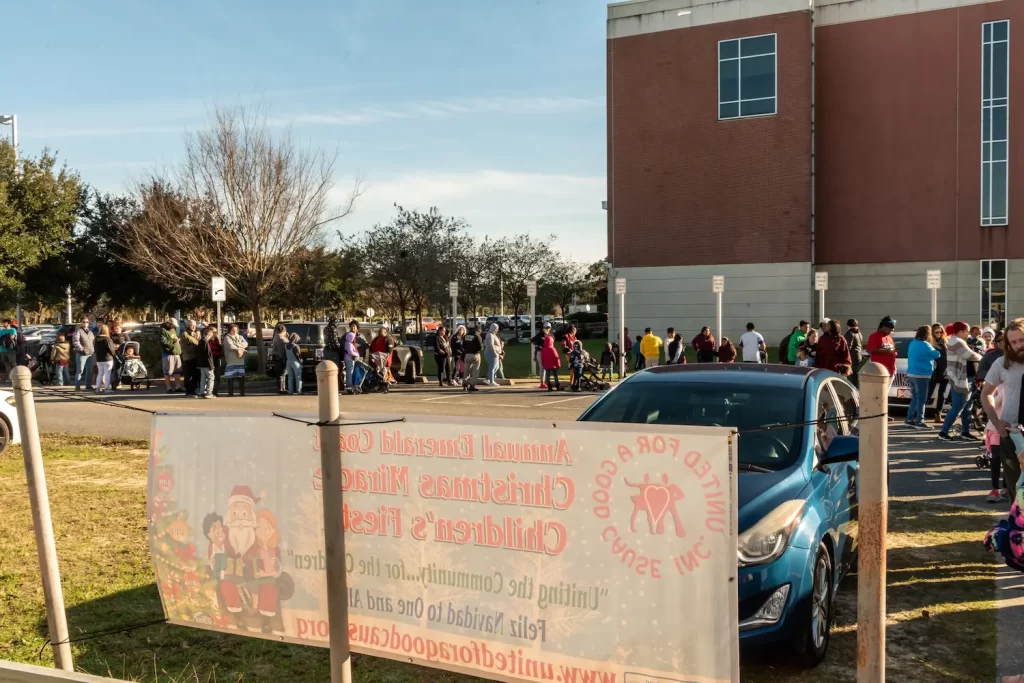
835 486
848 400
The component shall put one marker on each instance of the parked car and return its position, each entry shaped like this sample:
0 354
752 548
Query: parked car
430 325
406 361
10 433
797 505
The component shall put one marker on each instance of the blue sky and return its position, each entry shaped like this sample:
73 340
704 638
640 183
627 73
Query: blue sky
493 110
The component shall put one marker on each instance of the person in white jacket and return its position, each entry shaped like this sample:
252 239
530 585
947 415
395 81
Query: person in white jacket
492 351
958 355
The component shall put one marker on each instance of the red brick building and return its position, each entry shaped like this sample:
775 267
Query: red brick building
766 140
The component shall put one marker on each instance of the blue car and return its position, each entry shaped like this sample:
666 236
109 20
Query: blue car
798 450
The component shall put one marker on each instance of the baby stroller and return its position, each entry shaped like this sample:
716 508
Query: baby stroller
368 378
132 370
590 377
42 365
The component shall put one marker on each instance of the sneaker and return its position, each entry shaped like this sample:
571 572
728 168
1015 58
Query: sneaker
543 386
908 423
1004 494
993 496
968 437
922 426
943 436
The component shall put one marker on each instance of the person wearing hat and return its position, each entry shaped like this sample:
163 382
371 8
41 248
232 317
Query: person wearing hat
881 346
855 343
538 346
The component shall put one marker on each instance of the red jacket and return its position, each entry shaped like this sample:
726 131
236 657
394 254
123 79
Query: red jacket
726 354
549 359
705 344
832 352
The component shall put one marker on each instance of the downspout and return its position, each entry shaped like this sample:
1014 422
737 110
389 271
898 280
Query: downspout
813 145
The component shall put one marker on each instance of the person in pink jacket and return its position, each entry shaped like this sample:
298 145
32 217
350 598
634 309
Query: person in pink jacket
550 361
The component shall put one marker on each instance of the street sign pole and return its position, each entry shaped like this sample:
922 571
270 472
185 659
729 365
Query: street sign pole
821 284
620 289
933 280
531 291
718 286
453 291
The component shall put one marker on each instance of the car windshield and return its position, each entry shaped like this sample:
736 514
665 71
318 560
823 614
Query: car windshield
746 407
902 344
308 333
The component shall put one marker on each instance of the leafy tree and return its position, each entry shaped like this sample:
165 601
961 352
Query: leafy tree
562 281
595 284
325 280
519 259
39 205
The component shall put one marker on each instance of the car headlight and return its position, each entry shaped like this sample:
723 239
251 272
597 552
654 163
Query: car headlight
9 400
769 538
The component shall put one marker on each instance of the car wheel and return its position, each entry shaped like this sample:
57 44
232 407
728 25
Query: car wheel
813 636
5 434
410 372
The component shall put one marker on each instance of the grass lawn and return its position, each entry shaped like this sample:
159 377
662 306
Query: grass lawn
941 584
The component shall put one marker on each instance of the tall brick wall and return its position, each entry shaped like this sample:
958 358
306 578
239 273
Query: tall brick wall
686 188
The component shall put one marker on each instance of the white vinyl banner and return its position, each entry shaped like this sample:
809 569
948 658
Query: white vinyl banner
515 550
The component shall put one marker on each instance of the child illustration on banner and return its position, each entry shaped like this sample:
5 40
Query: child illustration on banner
263 564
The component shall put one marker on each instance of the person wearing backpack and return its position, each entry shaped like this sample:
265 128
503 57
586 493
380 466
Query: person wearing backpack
8 348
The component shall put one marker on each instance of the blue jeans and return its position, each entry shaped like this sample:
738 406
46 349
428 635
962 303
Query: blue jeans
61 375
206 378
83 370
956 409
918 398
350 365
492 367
965 416
294 377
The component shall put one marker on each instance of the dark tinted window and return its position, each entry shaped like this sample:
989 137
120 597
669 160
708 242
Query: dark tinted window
902 345
308 333
742 407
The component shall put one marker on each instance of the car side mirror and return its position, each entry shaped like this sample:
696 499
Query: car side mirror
842 449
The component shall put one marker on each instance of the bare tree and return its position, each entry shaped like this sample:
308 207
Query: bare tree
519 259
245 204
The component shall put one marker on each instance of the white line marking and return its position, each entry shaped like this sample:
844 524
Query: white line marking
441 398
563 400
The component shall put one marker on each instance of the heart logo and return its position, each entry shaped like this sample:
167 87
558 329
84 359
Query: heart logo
657 498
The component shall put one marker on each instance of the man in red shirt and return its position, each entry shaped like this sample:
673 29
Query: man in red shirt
882 347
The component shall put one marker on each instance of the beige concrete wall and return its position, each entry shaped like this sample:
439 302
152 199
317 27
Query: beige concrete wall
650 16
772 296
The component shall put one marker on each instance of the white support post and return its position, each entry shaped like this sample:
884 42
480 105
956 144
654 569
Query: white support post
334 530
532 328
39 499
874 511
718 316
622 336
69 321
821 304
455 313
935 306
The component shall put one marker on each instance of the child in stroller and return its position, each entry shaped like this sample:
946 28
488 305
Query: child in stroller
372 376
585 371
132 370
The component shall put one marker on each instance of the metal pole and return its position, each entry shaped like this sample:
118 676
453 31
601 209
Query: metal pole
935 306
69 306
219 321
821 298
718 315
53 594
17 311
874 511
334 530
455 313
533 331
622 336
14 134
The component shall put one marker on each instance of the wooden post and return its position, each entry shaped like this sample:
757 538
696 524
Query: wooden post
334 532
873 522
53 594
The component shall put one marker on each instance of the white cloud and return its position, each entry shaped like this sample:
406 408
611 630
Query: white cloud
496 204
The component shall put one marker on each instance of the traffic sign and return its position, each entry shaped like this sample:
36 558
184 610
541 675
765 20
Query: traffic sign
620 286
531 288
370 312
218 289
821 282
453 288
934 278
718 284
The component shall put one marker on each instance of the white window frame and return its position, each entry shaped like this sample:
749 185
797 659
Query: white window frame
739 85
987 310
987 105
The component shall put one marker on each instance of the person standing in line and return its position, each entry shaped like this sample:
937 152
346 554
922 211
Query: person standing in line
189 360
538 345
938 379
206 364
501 359
639 365
958 355
752 345
474 345
977 344
676 353
82 341
811 344
991 356
170 356
8 348
1008 374
576 365
627 349
280 354
568 339
855 344
670 335
350 349
332 347
607 360
104 351
882 349
551 361
650 349
293 354
705 346
727 351
61 357
20 351
458 344
236 348
492 350
998 492
831 351
443 356
797 339
217 351
921 357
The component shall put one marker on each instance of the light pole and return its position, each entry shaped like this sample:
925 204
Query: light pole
12 121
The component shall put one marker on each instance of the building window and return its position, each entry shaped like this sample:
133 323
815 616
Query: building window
995 127
746 77
993 293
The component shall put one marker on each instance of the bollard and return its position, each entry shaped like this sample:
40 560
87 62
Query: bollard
873 508
334 530
56 619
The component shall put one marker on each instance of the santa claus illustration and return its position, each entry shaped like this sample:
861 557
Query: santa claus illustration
241 527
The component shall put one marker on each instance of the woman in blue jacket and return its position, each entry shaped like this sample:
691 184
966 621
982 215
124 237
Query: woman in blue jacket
921 357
